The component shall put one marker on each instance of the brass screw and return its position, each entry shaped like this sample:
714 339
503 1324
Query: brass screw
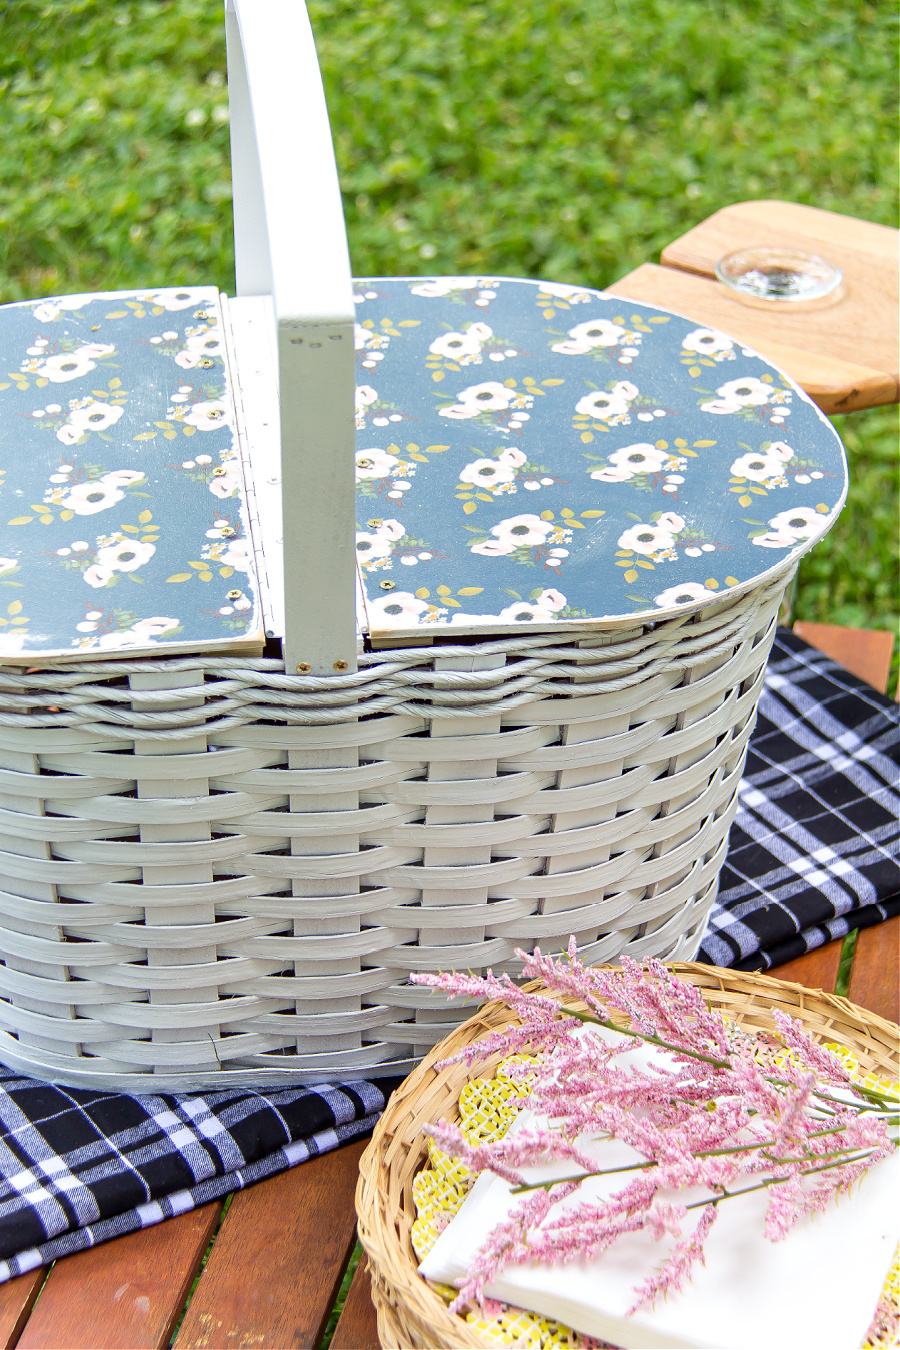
303 667
340 665
388 585
233 595
226 532
219 471
373 524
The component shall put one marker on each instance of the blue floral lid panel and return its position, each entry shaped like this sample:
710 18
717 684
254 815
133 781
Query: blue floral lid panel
124 525
532 453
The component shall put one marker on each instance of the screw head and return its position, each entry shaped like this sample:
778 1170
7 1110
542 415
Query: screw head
303 667
340 665
226 532
219 471
233 595
388 585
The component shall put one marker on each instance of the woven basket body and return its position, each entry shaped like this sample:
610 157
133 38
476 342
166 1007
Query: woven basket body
215 873
410 1313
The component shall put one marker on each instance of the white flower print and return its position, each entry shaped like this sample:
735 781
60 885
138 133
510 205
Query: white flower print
237 555
519 530
647 539
487 472
96 575
604 404
374 464
69 435
490 396
123 477
610 475
125 556
390 529
707 341
433 290
540 610
562 290
95 350
799 523
208 416
66 366
210 343
685 594
460 345
154 627
492 548
781 449
552 600
400 609
512 456
371 547
642 458
225 485
12 643
48 310
178 298
95 417
7 564
737 394
758 467
584 337
85 499
748 390
669 520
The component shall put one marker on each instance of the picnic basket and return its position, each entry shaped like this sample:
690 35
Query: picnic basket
221 863
410 1313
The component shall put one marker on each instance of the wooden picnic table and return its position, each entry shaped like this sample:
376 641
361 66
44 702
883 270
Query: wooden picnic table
270 1271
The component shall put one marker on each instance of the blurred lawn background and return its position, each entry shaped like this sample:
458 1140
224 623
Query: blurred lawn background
564 139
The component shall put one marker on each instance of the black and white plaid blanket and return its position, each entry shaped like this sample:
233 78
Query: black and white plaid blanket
814 853
815 847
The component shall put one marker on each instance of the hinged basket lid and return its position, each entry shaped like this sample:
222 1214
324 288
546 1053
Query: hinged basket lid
539 454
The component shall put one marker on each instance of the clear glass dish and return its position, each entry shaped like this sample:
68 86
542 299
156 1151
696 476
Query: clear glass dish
780 274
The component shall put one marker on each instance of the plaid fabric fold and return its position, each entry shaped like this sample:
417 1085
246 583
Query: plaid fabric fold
815 847
78 1167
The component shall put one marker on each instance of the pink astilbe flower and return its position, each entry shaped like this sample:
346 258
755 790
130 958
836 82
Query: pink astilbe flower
721 1110
678 1268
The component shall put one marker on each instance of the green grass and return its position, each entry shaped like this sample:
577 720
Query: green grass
565 139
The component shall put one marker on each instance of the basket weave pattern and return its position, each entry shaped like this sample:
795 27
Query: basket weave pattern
214 872
410 1313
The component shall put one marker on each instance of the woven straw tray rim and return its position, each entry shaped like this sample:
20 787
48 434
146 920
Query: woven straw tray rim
410 1314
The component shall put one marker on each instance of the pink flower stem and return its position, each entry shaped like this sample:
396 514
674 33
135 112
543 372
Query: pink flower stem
776 1181
651 1040
705 1153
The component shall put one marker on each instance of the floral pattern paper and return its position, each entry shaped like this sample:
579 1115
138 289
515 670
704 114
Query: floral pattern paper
123 526
531 453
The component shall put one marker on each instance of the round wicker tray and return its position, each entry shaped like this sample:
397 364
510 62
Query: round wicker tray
409 1313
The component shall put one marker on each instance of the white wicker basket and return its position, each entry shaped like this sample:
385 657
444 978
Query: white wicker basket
217 871
174 812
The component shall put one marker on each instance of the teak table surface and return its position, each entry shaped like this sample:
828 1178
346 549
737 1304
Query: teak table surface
842 349
273 1268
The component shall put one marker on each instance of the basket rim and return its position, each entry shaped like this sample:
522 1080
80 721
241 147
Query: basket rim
393 1293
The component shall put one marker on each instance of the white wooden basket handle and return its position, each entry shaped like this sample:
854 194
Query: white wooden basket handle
291 243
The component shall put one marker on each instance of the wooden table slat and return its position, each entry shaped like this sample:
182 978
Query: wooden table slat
16 1301
865 652
273 1275
875 973
357 1327
123 1295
